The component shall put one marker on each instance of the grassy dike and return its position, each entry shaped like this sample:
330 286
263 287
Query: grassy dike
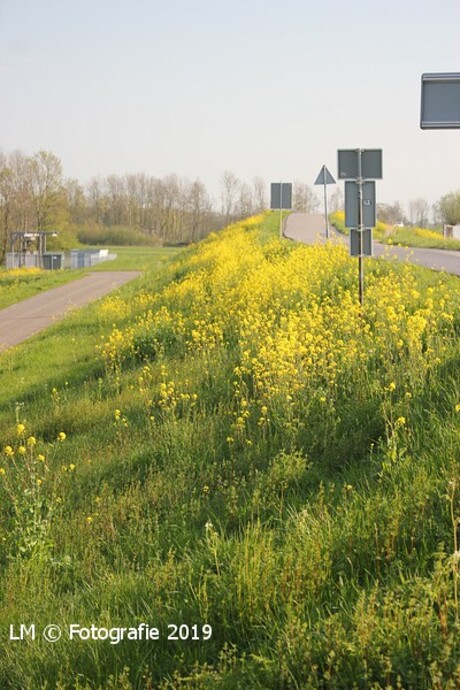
229 442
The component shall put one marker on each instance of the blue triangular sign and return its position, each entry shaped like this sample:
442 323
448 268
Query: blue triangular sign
324 177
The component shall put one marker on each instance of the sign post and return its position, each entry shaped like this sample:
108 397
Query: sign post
281 198
360 167
325 178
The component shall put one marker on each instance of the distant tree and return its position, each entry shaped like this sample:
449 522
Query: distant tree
259 194
245 202
391 213
419 211
336 199
229 186
45 171
449 207
304 198
76 202
199 209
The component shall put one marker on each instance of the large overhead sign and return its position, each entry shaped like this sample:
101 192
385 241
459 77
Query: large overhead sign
440 101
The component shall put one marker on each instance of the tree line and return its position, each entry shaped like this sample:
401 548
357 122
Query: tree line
117 209
142 209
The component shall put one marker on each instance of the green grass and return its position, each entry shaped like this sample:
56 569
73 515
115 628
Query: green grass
320 553
15 288
408 238
137 258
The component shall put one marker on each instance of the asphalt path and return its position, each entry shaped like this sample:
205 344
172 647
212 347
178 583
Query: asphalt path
19 321
309 228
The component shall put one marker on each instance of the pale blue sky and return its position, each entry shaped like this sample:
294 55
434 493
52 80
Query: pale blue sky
260 87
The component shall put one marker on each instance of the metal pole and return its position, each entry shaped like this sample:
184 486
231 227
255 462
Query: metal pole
281 210
360 229
326 215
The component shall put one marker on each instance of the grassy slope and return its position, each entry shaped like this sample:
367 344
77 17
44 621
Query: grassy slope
250 454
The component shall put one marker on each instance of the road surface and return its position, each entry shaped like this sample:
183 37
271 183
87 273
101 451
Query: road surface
21 320
310 228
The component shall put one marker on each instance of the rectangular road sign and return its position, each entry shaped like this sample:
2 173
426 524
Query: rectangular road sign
371 164
440 101
355 242
368 219
281 195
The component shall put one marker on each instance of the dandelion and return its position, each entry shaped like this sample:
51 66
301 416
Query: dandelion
62 436
400 421
22 450
9 452
2 470
89 519
31 441
457 408
392 386
41 457
20 428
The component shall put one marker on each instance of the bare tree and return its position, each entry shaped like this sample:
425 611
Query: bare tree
229 184
199 208
259 192
47 188
419 211
336 199
304 199
391 213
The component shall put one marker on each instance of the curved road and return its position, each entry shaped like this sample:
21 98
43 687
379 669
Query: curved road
310 228
21 320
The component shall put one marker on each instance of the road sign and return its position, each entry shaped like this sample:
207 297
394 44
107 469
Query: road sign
371 164
352 215
440 101
324 177
360 236
281 196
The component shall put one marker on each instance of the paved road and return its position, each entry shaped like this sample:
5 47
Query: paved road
310 228
21 320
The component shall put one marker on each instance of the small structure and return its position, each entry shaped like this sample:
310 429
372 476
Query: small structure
28 249
85 258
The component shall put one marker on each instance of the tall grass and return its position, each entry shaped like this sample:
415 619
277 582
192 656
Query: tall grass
243 449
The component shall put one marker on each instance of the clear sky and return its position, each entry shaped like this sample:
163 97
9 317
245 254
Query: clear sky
259 87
